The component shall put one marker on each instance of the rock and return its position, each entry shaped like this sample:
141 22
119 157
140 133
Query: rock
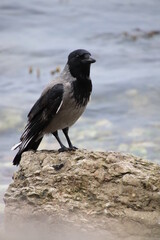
104 190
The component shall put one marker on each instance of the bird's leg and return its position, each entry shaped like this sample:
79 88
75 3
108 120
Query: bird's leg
63 148
65 131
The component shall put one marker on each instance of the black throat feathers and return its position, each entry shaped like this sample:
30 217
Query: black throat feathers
82 91
82 86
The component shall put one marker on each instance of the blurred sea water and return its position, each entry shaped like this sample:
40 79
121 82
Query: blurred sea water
36 36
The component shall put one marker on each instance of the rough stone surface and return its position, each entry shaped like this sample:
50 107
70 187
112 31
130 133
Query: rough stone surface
85 187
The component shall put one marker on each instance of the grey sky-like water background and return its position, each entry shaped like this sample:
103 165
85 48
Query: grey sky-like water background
36 36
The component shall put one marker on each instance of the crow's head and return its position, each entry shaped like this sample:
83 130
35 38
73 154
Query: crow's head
79 62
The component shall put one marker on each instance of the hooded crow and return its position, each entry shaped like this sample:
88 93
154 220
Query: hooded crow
60 105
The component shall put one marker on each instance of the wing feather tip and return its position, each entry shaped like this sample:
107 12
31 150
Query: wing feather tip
60 105
16 146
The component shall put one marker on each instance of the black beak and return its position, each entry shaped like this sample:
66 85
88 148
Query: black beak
88 60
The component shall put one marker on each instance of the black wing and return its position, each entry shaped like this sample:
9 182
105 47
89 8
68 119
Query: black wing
41 114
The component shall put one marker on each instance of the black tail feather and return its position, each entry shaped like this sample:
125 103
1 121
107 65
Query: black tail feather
17 158
32 145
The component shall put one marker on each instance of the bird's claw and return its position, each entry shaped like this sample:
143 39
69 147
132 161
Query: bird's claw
73 148
63 149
